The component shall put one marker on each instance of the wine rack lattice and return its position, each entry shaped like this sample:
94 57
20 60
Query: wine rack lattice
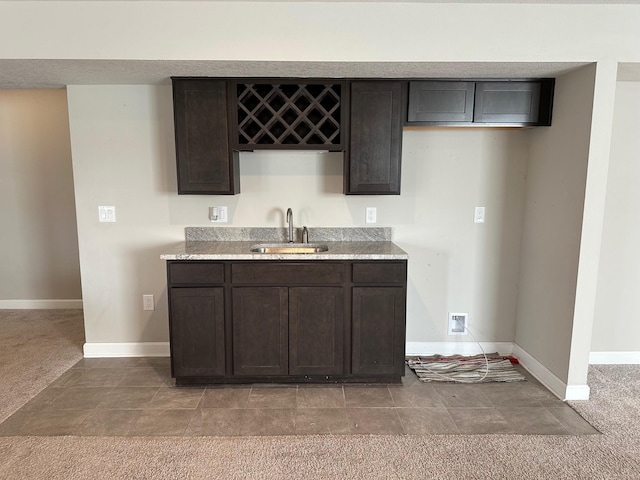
288 114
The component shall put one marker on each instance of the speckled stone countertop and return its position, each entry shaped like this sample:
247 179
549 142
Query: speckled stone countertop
233 243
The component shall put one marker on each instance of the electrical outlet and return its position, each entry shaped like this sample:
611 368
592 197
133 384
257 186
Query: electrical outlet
458 323
478 215
370 215
147 302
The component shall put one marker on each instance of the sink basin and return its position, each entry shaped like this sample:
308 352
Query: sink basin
289 248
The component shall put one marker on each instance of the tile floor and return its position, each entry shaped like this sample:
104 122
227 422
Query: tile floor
136 396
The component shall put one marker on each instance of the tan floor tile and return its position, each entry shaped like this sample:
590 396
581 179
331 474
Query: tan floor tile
456 395
108 423
145 377
176 397
216 421
120 398
320 397
268 421
473 421
533 420
261 397
161 422
516 394
427 421
79 398
313 421
378 421
416 396
54 423
362 397
225 397
572 420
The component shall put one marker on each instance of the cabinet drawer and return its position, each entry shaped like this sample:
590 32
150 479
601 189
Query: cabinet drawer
287 273
380 272
196 272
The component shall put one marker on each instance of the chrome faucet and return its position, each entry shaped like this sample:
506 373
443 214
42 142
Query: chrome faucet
290 222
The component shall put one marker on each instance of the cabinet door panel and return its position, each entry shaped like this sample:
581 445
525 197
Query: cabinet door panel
440 102
378 330
260 333
507 102
206 163
316 331
197 332
375 147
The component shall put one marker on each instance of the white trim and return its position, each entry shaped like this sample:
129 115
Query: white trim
577 392
458 348
72 304
614 358
548 378
142 349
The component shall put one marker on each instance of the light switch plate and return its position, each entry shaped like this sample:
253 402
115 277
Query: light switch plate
218 214
107 214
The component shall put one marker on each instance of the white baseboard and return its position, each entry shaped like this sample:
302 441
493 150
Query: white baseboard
72 304
548 378
614 358
142 349
458 348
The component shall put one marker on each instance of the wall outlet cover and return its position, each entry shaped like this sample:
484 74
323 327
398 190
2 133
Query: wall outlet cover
458 323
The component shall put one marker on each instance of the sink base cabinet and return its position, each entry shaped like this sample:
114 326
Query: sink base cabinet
260 333
286 321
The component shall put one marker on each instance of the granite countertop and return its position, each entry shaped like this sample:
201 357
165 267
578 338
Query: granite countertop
232 244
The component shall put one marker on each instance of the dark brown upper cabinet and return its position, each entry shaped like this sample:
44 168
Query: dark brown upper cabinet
521 103
206 163
287 114
373 159
516 103
441 101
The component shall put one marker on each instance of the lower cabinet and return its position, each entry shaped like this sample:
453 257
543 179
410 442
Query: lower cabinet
197 332
378 330
260 332
315 321
282 331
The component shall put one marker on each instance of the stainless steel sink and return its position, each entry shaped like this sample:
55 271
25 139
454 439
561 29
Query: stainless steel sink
289 248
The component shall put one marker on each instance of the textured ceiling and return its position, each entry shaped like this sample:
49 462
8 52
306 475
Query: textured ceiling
58 73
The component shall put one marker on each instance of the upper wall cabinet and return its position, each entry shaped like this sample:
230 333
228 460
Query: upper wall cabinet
206 163
372 161
441 101
289 114
482 103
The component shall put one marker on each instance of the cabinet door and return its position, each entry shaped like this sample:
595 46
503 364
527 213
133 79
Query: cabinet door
440 102
378 330
372 163
260 333
507 102
197 332
206 163
316 330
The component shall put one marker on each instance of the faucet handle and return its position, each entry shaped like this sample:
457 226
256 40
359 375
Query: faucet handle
305 235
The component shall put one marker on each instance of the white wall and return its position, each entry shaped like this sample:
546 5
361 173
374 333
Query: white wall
39 254
553 213
616 327
122 143
414 33
317 31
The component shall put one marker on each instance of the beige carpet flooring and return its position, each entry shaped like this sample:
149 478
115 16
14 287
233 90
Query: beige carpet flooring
39 358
